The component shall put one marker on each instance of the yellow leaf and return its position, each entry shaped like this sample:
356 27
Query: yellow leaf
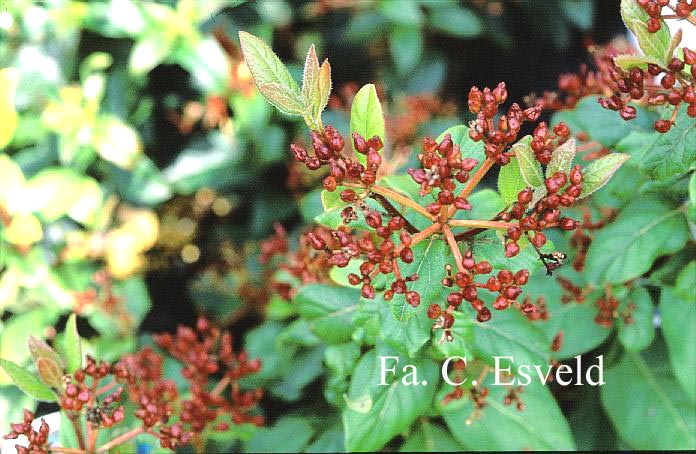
9 78
24 230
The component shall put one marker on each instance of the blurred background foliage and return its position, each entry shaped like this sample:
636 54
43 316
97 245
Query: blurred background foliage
140 167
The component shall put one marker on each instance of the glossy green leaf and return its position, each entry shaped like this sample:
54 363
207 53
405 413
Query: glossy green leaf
678 312
655 45
406 46
391 408
658 414
402 13
600 171
625 249
289 434
27 381
541 426
510 181
329 310
429 266
72 345
407 336
640 332
430 437
366 116
455 20
674 152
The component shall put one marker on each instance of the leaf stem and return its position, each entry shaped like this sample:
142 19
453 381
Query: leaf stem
120 439
480 224
473 181
455 249
403 200
75 421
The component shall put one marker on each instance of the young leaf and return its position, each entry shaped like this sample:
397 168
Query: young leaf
27 381
673 44
561 158
50 373
310 80
598 173
40 349
270 75
324 85
283 98
510 181
628 61
529 166
653 44
72 345
366 116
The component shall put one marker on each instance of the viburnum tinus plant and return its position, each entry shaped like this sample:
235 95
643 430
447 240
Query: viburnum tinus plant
418 232
120 405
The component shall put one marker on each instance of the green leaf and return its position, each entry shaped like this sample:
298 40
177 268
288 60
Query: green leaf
455 20
72 345
329 441
653 45
488 246
599 172
469 148
509 333
640 333
289 434
27 381
406 47
658 415
430 437
691 207
429 266
579 12
310 80
270 74
561 158
529 166
678 311
392 408
628 62
510 181
329 310
402 13
627 248
541 426
408 336
366 116
674 152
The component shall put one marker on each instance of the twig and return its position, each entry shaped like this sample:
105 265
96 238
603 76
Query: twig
480 224
425 233
473 181
120 439
220 386
75 421
403 200
455 249
393 212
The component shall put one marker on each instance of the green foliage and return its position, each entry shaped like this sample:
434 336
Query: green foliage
366 117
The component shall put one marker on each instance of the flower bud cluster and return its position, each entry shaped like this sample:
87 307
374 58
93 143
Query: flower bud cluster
442 166
562 191
654 9
498 135
328 153
38 439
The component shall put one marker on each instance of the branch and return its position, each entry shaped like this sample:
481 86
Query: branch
425 233
403 200
473 181
393 212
